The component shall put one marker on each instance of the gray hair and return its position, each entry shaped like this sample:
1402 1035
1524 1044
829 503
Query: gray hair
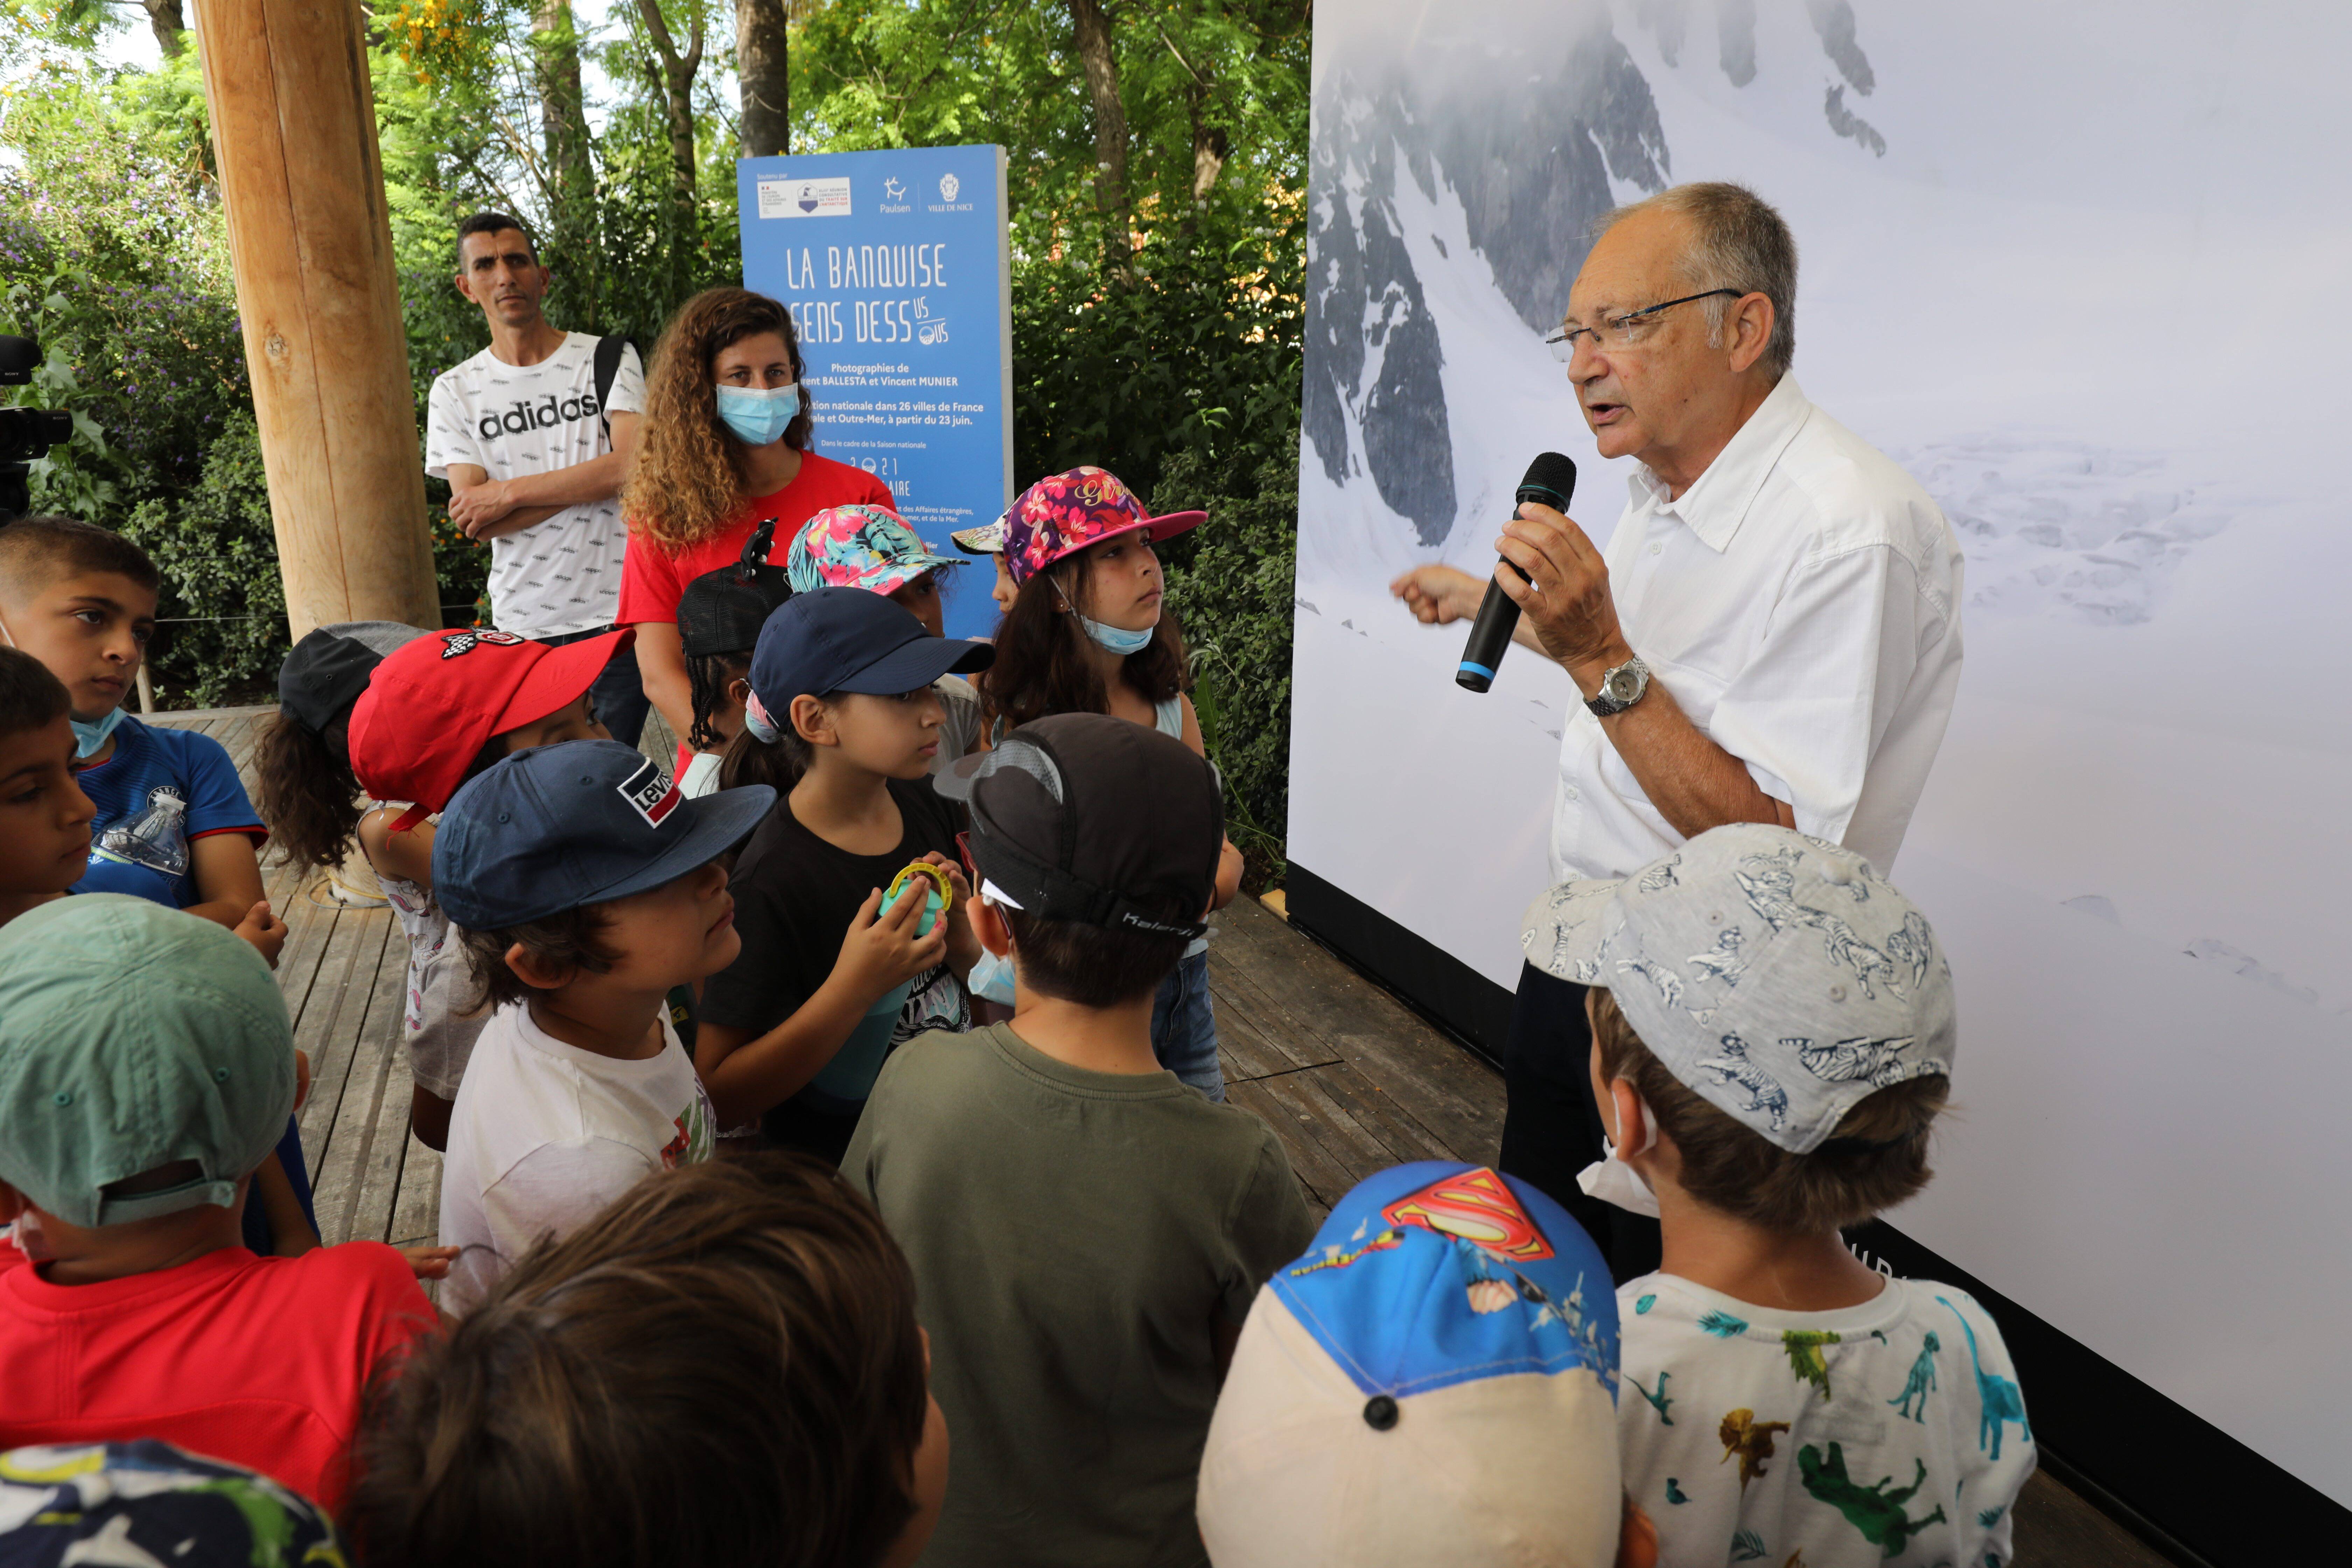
1741 243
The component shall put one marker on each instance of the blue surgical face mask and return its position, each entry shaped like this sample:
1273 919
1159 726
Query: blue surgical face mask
757 415
88 738
992 978
1118 640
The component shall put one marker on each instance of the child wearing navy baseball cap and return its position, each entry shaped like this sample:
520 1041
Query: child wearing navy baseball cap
584 886
844 721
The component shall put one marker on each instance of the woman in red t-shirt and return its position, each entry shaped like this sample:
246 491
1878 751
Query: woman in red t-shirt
723 447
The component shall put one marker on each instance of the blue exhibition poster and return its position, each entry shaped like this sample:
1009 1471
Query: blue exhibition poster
894 266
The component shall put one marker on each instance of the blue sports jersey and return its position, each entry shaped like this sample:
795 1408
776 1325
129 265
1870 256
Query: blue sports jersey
160 790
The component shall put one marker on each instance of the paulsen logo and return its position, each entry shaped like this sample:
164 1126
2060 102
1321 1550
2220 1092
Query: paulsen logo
458 643
650 793
545 415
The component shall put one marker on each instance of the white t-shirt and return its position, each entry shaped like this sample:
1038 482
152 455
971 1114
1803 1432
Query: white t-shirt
545 1135
698 772
1889 1433
563 575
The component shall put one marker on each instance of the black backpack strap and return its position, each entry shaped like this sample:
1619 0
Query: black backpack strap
608 367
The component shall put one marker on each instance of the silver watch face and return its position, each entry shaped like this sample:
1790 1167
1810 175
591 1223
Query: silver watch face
1622 685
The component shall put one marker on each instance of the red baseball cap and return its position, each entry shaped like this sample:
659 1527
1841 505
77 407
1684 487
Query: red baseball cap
431 707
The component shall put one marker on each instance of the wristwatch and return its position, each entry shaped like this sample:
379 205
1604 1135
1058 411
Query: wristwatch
1620 688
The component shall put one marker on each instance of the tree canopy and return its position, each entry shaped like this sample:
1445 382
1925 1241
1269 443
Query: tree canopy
1156 152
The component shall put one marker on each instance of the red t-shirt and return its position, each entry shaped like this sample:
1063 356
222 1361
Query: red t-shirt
653 578
257 1361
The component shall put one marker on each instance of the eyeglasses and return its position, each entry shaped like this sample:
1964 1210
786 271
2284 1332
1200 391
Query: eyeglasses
1619 331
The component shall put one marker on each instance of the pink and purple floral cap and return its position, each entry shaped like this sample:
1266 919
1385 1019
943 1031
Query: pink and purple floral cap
1062 514
867 547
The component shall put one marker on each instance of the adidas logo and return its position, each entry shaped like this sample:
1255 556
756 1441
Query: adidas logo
545 415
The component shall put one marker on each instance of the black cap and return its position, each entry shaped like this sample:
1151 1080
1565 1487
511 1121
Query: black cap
329 669
1084 817
722 611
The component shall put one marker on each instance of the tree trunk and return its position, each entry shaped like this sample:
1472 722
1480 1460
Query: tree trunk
761 54
677 94
1209 148
1093 30
301 180
563 111
169 21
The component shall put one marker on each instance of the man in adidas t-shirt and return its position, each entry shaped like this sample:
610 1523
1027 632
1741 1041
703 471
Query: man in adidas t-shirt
535 452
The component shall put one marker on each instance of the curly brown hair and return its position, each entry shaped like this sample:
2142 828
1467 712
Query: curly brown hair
308 792
1876 1158
688 474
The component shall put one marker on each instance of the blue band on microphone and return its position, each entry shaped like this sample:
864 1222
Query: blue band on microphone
1477 670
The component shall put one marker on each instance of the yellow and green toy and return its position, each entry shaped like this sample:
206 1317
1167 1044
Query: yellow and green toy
935 902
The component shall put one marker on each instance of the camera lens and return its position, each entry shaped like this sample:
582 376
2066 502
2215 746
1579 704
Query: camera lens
27 432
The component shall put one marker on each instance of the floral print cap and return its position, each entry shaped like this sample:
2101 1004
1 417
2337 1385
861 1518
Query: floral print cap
988 539
867 547
1063 513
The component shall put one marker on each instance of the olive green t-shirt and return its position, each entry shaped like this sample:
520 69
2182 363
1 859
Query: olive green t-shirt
1073 1233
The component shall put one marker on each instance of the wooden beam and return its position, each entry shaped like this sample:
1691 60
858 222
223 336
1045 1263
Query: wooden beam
293 125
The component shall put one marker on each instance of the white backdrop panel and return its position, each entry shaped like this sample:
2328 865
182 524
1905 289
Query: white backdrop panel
2082 269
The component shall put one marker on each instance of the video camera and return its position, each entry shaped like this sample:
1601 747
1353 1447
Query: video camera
25 433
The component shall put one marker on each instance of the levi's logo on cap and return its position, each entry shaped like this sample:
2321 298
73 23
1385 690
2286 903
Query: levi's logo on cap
1476 1207
466 642
651 793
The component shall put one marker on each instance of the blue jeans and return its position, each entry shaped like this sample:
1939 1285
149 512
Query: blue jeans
1184 1028
619 695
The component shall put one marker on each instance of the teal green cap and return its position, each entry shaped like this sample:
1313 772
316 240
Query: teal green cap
133 1036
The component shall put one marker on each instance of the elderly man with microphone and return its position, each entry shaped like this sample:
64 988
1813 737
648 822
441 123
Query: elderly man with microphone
1772 634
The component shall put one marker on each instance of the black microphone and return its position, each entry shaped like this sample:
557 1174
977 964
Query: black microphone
1550 481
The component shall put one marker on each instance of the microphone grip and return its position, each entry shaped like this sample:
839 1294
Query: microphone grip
1490 634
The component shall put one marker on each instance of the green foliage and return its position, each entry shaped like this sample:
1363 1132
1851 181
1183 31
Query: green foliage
225 604
116 260
1180 371
1199 352
1234 579
1174 359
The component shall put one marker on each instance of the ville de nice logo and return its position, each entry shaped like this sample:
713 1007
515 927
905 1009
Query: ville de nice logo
948 185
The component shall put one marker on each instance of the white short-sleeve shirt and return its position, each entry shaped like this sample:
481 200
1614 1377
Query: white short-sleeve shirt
563 574
1801 601
545 1135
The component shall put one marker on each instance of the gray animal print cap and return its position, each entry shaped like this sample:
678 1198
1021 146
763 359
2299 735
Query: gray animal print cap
1776 974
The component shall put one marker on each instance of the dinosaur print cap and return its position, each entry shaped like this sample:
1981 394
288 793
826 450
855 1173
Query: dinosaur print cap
1776 974
1433 1381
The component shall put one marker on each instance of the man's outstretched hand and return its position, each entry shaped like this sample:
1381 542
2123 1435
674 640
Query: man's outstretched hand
1439 594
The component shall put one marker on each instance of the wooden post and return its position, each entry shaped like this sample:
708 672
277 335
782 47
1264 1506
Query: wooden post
293 122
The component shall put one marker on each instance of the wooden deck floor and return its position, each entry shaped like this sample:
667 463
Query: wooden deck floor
1350 1080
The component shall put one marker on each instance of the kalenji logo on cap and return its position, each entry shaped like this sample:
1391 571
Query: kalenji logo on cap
466 642
1478 1207
651 793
